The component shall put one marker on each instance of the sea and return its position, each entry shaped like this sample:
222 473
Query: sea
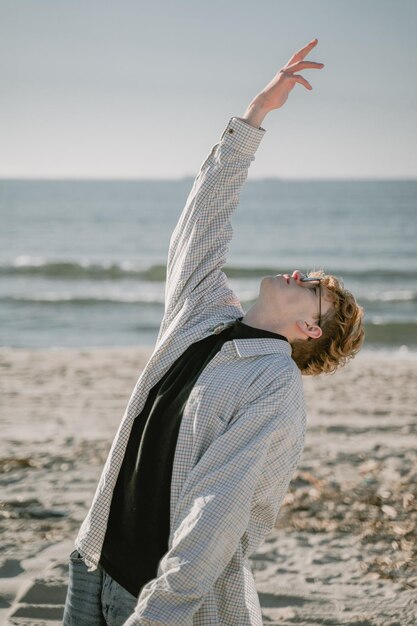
83 262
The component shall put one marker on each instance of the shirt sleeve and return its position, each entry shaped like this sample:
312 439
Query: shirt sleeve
214 509
198 244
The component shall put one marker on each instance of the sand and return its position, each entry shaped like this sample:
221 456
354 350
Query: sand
344 550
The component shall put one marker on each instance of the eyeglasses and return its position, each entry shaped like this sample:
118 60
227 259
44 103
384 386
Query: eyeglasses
310 280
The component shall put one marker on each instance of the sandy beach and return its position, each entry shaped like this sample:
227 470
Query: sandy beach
344 551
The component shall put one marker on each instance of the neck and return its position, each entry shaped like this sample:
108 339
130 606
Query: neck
256 319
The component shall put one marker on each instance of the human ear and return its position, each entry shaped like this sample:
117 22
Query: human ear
311 330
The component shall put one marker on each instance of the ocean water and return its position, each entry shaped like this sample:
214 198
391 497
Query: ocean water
82 263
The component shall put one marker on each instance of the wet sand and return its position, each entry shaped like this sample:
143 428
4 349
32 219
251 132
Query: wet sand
344 550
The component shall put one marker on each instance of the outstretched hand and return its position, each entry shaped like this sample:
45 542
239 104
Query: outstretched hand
275 93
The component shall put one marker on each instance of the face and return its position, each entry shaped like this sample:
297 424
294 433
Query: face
294 304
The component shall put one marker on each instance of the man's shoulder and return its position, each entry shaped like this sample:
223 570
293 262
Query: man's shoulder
282 371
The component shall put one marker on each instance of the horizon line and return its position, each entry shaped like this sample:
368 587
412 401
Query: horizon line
192 177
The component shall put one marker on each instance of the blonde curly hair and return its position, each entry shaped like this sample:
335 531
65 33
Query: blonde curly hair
343 332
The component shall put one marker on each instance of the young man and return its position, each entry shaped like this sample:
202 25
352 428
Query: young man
215 426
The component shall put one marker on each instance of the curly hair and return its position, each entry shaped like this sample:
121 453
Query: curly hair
343 332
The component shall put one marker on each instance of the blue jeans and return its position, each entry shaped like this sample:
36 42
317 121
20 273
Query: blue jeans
94 598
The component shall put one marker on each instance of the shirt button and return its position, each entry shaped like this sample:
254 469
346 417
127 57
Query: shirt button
231 131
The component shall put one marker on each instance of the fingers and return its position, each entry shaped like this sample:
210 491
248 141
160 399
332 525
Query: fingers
302 65
301 54
300 79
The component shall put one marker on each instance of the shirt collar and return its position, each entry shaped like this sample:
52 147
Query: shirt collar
255 347
250 341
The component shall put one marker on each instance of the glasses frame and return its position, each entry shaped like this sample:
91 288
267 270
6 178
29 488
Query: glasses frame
311 279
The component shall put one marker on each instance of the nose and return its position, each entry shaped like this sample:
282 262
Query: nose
297 275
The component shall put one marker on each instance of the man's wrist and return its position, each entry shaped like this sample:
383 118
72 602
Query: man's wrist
255 113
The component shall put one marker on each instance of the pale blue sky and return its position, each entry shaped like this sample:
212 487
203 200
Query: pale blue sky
132 89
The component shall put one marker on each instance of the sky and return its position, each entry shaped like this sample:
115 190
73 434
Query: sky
128 89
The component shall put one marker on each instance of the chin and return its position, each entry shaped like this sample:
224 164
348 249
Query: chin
268 280
273 282
270 291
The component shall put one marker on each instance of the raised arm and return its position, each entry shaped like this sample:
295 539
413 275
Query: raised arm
199 243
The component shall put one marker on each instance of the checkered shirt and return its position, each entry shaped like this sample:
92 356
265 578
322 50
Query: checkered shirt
243 426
